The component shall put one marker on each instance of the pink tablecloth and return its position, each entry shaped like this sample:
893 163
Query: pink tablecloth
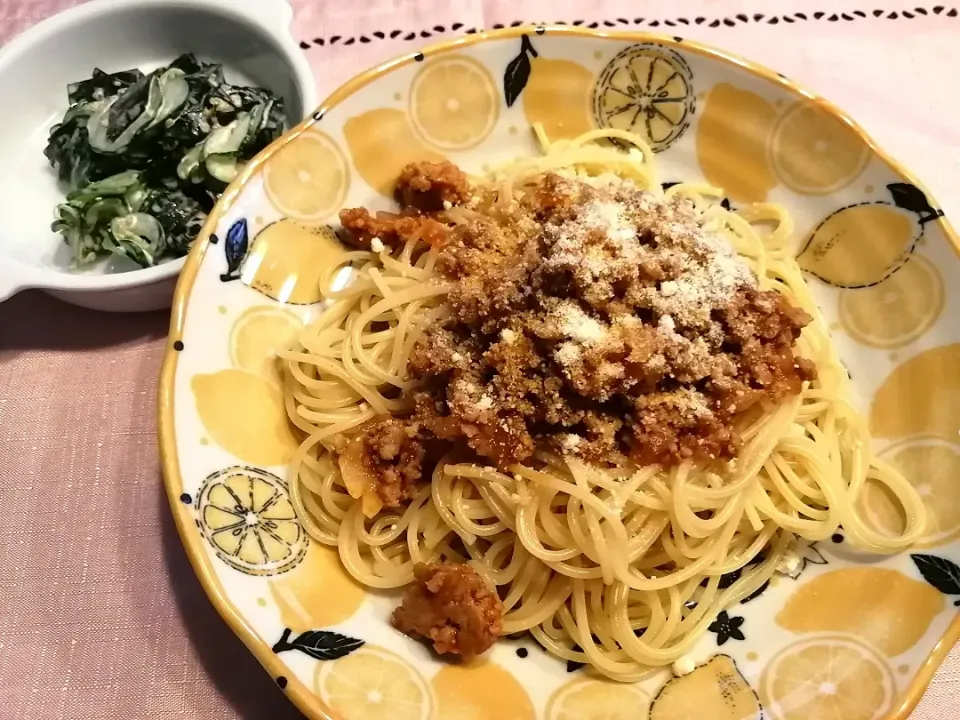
100 613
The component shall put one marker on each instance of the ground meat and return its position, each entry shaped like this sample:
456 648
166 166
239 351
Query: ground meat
390 228
607 315
553 197
432 187
492 267
764 328
391 452
450 605
665 429
599 320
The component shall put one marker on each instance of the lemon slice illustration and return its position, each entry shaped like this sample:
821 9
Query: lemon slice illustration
307 178
920 397
813 152
381 142
732 138
244 414
246 515
885 607
827 677
454 103
373 684
288 259
646 89
318 593
598 700
257 335
897 311
715 690
932 466
557 96
861 245
480 690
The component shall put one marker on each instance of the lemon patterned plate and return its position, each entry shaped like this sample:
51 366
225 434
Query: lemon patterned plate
838 636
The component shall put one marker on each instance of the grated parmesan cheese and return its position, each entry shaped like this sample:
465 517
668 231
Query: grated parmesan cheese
579 326
684 665
568 354
790 563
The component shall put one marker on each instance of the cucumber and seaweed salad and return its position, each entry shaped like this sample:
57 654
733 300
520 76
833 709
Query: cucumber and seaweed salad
147 155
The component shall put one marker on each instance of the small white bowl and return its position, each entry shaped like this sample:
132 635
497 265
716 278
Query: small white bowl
251 38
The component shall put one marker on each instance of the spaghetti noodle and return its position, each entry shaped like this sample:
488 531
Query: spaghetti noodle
618 563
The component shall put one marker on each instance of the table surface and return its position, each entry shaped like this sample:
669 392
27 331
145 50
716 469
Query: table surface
101 615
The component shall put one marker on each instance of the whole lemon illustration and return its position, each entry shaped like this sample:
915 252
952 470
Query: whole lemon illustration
896 311
243 413
557 96
715 690
884 607
732 142
480 690
920 397
308 177
861 245
318 593
288 259
381 142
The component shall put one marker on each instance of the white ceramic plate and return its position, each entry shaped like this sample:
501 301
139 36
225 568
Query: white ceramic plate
848 636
